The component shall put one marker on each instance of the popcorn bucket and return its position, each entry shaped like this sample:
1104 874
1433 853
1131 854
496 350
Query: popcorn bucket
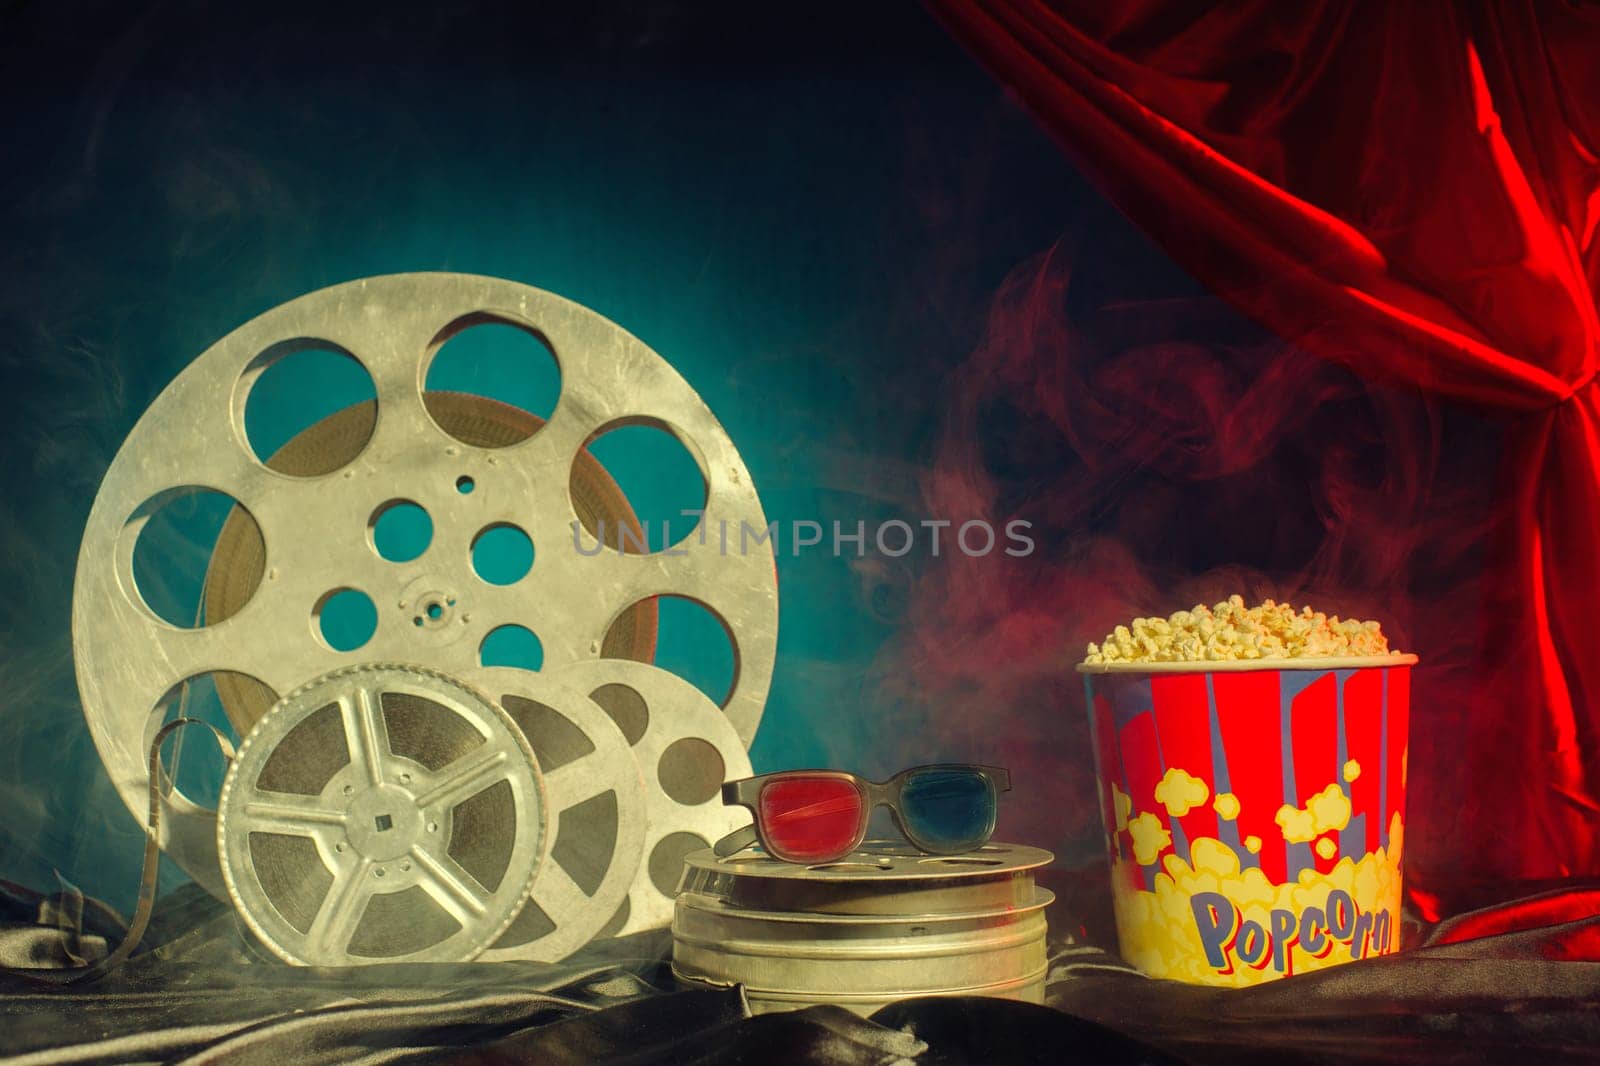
1253 811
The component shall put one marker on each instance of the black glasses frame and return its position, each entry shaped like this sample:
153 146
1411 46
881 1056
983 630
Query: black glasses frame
874 794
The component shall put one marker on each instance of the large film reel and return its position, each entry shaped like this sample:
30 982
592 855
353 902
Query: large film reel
239 558
312 529
381 814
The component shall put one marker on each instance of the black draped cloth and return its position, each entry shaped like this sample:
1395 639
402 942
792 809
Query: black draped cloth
1501 984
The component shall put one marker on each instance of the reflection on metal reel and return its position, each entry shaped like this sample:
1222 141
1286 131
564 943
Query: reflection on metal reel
382 813
686 748
307 536
596 801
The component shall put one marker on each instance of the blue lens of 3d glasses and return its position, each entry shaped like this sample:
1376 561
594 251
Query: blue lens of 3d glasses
948 809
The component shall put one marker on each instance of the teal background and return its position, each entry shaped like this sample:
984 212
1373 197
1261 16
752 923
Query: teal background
807 218
868 261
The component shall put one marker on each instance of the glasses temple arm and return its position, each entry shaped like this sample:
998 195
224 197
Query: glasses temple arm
735 841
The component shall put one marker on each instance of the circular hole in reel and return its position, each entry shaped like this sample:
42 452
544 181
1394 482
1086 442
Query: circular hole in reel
694 642
400 530
344 618
626 707
690 771
666 859
502 554
173 537
660 477
308 407
511 645
488 356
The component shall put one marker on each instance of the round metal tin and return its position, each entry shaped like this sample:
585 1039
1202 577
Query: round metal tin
881 925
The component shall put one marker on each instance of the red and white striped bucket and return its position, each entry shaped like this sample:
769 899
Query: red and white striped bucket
1253 811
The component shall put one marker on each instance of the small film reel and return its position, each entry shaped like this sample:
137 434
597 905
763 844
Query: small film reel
382 813
685 748
596 799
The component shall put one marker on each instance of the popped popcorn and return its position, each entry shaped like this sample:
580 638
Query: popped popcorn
1326 811
1181 792
1230 631
1254 819
1150 837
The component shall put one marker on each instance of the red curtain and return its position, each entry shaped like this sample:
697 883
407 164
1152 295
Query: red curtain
1411 189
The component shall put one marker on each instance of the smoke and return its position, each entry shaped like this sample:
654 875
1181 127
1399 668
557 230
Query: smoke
1164 452
1167 455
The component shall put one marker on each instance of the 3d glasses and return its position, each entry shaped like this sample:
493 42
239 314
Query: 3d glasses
812 816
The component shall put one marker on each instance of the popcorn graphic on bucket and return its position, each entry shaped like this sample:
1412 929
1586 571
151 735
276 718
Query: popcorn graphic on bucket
1253 808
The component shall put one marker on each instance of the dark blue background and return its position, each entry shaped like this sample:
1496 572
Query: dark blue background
807 214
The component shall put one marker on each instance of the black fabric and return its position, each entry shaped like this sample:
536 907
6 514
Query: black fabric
201 992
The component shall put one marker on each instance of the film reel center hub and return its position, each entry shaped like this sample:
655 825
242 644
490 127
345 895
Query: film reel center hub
382 812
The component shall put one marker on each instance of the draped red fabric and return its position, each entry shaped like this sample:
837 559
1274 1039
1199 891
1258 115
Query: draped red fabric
1412 190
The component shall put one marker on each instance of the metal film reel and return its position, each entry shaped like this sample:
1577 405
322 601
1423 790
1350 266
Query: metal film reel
239 557
870 923
686 748
382 813
313 530
880 877
596 802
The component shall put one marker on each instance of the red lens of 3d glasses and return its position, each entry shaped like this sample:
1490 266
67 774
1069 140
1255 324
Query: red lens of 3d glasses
811 818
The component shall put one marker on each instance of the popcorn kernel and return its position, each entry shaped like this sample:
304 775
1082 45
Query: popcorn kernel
1230 631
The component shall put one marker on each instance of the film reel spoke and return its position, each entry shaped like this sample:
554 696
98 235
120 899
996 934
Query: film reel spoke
308 816
558 895
365 733
466 777
455 890
342 908
576 782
